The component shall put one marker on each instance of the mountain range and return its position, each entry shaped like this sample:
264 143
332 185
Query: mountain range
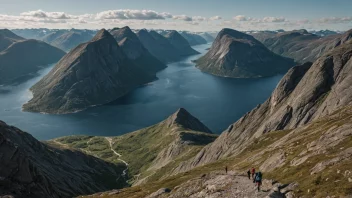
300 137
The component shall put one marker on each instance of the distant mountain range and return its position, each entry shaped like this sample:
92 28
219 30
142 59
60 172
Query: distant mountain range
20 57
301 45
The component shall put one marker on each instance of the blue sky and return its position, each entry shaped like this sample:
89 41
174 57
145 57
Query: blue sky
239 14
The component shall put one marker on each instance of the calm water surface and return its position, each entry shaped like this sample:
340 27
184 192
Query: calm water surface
216 101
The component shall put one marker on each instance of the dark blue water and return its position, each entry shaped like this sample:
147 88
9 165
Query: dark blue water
217 102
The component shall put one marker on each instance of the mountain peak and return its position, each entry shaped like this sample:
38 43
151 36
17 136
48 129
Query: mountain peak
184 119
125 32
101 35
235 34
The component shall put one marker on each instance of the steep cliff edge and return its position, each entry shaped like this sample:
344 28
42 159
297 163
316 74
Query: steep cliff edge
94 73
238 55
33 169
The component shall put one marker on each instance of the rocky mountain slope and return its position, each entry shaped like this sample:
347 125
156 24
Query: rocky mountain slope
158 46
180 43
24 57
134 49
238 55
30 168
7 38
303 46
151 153
301 136
193 39
94 73
305 94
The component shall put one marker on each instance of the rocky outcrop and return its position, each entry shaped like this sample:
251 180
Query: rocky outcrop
158 46
94 73
193 39
180 43
7 38
305 94
238 55
303 46
135 51
33 169
26 57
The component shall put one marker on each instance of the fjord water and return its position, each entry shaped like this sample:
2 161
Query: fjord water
216 101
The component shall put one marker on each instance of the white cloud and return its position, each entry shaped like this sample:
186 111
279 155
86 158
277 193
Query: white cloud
215 18
242 18
199 18
52 15
273 19
335 20
132 14
182 17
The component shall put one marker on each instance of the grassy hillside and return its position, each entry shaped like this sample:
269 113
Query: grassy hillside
317 156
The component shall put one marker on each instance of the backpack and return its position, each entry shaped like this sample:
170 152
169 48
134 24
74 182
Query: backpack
258 176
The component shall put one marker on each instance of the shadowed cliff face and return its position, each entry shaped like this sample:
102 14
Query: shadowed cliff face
136 52
194 39
94 73
30 168
180 43
305 94
303 46
238 55
161 47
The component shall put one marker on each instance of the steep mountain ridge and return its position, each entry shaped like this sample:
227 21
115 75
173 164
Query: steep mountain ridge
94 73
180 43
30 168
7 38
158 46
306 93
135 50
303 46
238 55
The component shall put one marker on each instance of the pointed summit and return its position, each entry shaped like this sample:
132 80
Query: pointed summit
121 33
101 35
94 73
184 119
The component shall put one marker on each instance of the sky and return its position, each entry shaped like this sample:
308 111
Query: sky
192 15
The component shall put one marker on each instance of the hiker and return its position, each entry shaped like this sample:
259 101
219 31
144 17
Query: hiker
249 174
253 173
226 169
258 179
